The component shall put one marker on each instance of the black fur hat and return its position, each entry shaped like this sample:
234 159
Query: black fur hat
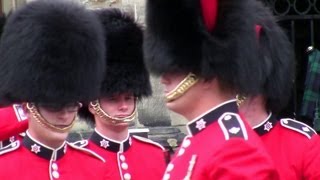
2 22
177 40
276 58
126 69
53 52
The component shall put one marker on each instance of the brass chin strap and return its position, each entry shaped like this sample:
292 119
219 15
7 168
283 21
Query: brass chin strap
240 99
114 120
182 87
38 117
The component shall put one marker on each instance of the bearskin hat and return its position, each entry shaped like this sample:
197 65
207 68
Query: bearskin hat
126 69
52 52
2 22
186 36
276 58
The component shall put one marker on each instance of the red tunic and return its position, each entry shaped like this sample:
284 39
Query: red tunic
12 122
29 159
294 146
135 158
221 146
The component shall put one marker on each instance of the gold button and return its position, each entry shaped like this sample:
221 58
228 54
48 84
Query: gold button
124 166
170 167
55 174
166 177
54 166
186 143
181 151
127 176
122 158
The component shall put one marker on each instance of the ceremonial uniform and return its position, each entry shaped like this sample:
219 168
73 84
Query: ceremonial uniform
294 147
12 122
134 158
220 145
36 161
45 48
125 82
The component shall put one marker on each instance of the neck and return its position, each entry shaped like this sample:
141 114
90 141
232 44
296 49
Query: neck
52 143
115 132
254 110
206 103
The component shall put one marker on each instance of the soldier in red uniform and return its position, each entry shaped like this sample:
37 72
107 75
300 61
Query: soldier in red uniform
126 82
205 52
52 58
13 121
294 146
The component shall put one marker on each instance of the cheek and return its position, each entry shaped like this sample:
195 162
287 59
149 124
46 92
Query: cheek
131 106
108 108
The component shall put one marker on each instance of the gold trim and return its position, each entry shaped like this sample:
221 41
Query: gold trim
41 120
190 80
114 120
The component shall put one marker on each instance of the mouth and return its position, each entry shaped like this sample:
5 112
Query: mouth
122 115
62 125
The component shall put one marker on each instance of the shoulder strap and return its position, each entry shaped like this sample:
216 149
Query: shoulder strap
9 148
298 127
232 126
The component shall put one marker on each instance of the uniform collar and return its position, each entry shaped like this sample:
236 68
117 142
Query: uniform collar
207 118
266 126
42 150
109 144
6 142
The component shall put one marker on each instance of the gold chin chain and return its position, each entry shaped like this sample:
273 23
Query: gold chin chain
240 99
182 87
38 117
114 120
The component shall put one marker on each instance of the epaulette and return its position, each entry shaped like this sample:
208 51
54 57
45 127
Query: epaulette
232 126
149 141
81 143
9 148
298 127
87 151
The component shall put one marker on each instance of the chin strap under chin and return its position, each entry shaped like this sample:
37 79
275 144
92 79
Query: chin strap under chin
190 80
95 105
41 120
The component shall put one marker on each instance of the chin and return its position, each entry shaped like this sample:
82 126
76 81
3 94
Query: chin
124 124
58 136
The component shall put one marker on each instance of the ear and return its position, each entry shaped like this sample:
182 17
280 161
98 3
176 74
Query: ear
24 107
208 84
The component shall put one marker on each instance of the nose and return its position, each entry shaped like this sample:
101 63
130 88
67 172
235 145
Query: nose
65 114
123 106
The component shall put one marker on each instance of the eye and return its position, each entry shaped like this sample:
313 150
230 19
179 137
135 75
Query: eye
112 98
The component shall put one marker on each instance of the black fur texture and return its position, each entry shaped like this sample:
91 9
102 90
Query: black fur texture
53 52
277 59
126 70
177 41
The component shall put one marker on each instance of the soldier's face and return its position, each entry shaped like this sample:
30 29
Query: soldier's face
119 105
58 117
183 104
171 81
